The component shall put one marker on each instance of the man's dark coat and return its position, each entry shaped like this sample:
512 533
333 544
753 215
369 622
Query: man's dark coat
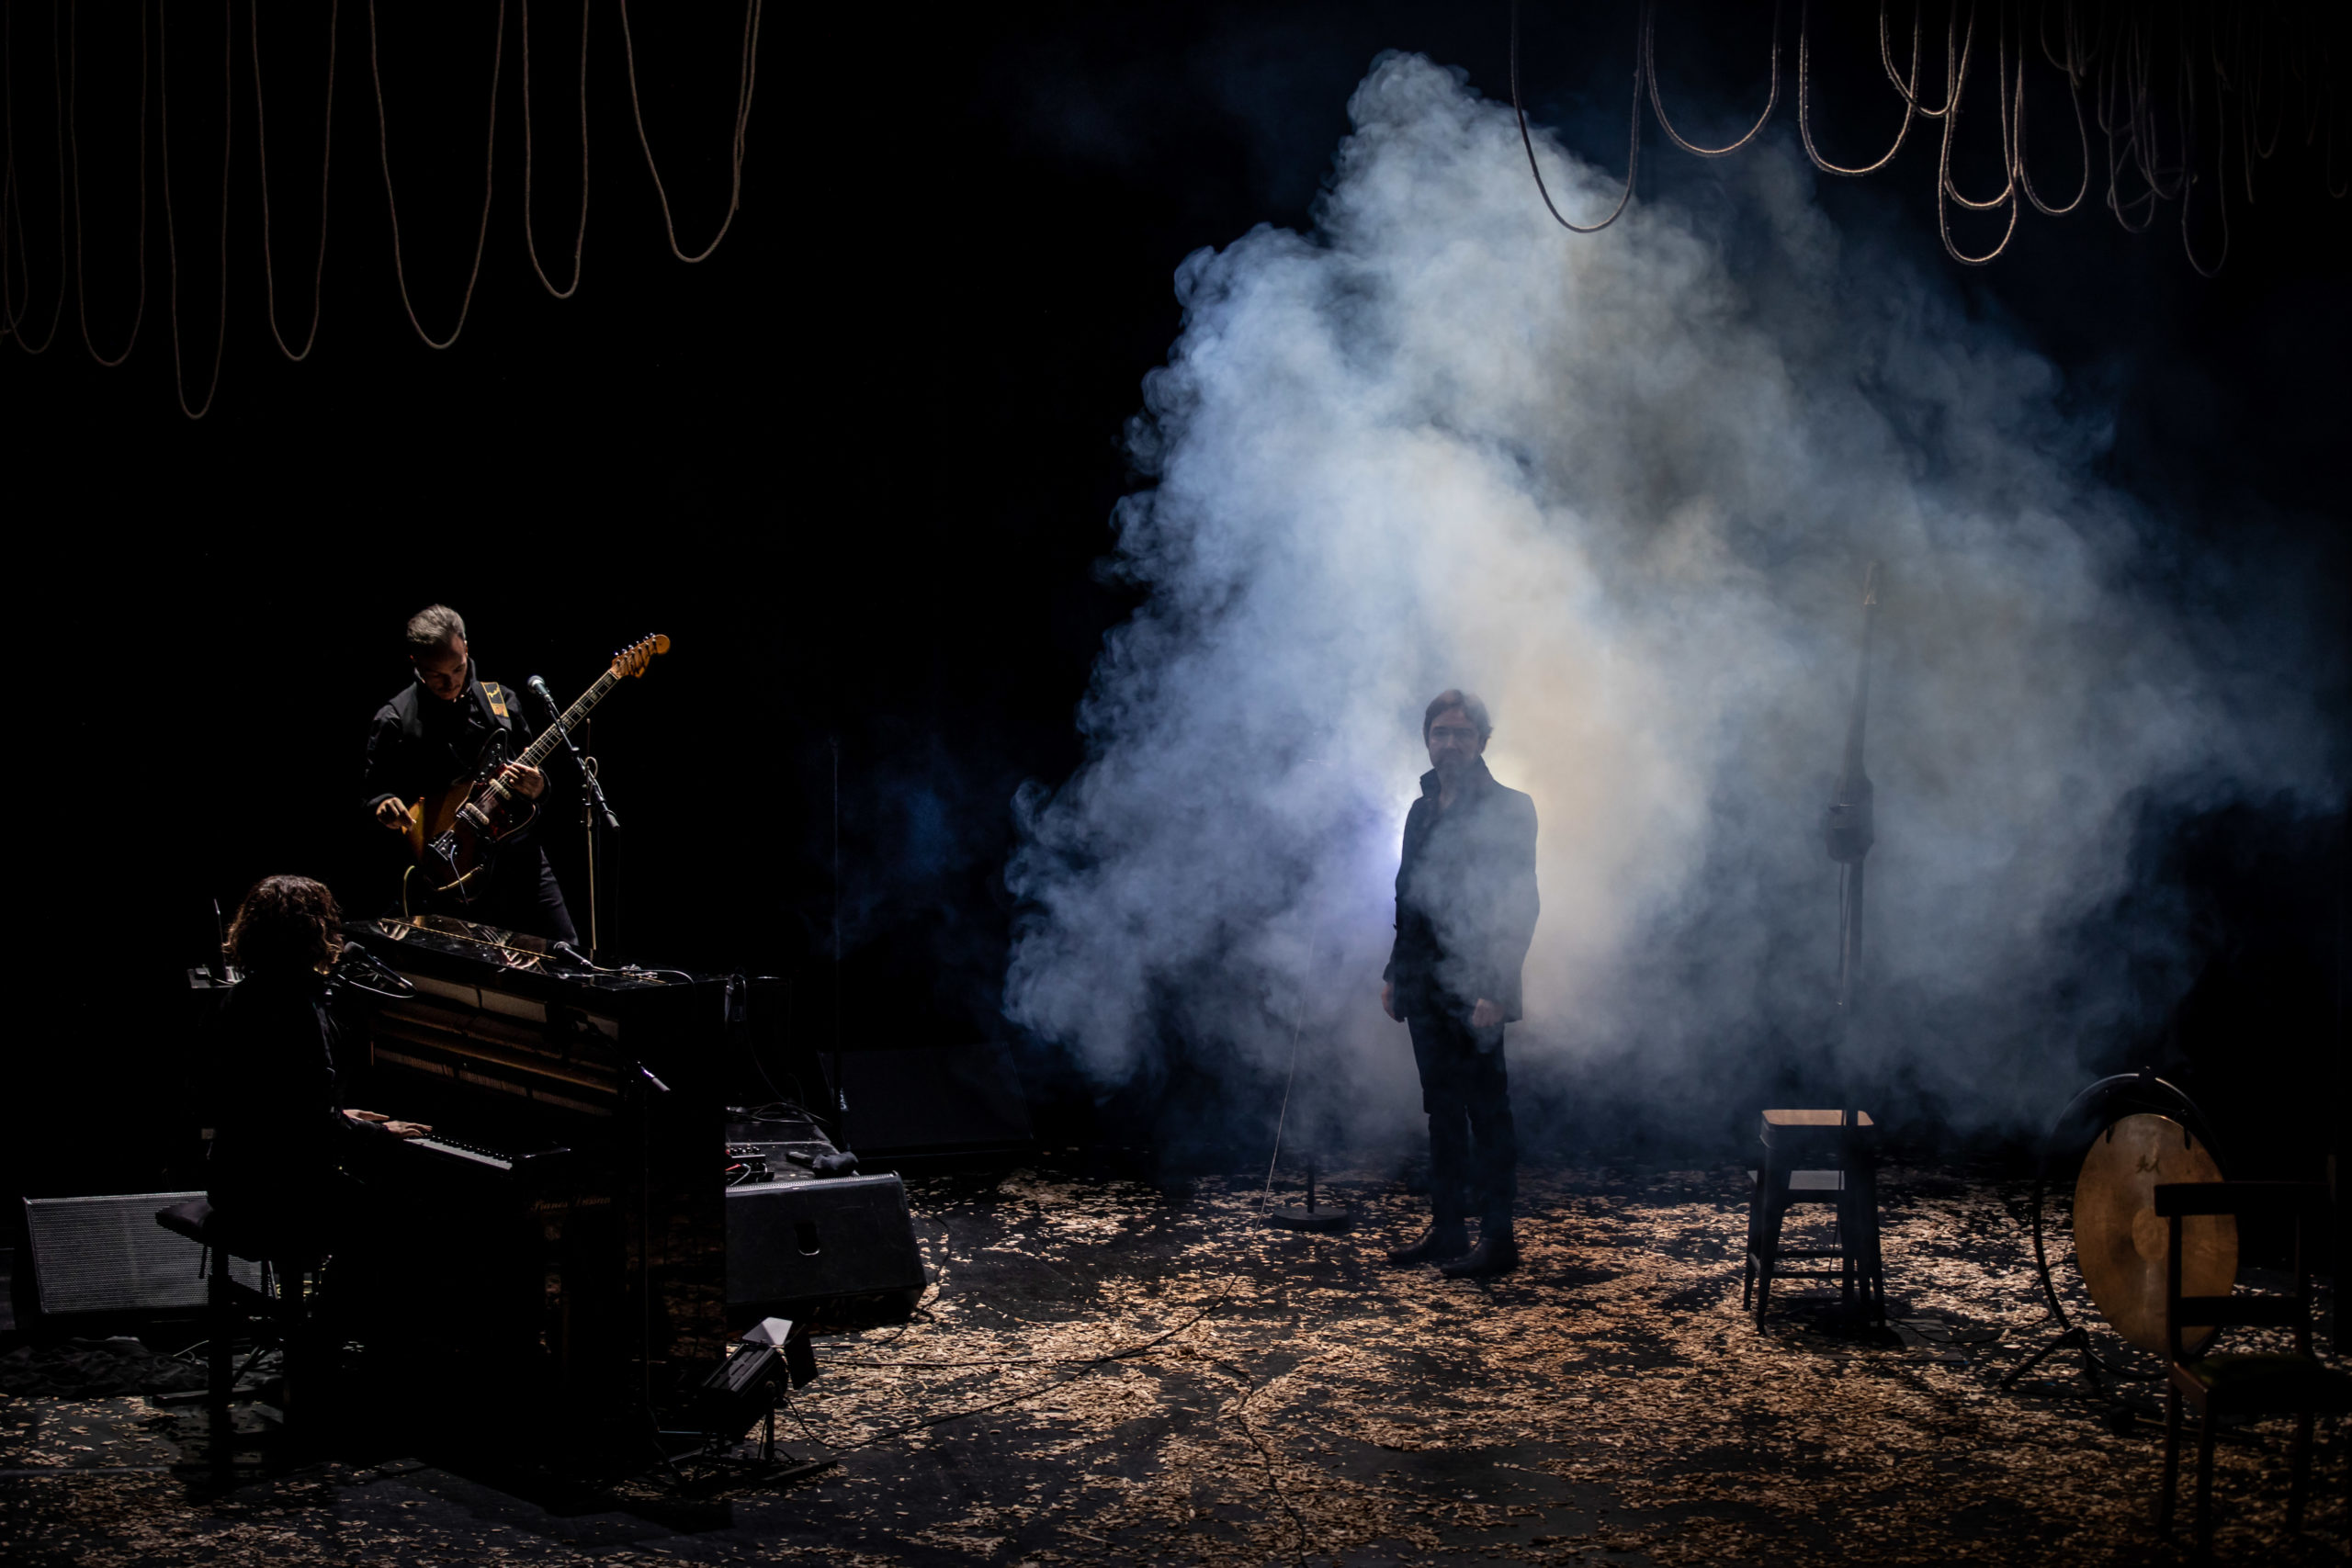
1465 899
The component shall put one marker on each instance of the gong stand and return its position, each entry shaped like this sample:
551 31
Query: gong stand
2087 1117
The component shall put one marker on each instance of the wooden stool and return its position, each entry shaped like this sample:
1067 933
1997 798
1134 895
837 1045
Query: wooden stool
1817 1156
278 1311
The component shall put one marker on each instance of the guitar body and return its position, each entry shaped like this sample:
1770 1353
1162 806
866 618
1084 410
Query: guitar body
455 832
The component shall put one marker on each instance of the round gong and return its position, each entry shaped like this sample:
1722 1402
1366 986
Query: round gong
2119 1241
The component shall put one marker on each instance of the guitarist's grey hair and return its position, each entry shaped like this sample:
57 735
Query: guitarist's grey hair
433 626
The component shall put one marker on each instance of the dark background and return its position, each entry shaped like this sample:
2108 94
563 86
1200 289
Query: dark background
859 465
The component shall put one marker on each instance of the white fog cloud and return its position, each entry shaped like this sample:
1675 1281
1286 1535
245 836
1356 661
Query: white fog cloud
1624 487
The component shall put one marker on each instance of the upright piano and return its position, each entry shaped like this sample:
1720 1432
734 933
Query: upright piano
566 1217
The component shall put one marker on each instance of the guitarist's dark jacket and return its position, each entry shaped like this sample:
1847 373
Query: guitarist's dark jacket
419 745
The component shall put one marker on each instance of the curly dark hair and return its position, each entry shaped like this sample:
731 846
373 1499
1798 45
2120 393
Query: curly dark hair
286 922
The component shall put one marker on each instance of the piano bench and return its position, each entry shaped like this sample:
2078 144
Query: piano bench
229 1304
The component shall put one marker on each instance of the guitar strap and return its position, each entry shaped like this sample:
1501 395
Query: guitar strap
492 699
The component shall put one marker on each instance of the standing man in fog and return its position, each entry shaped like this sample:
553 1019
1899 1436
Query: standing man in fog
1466 911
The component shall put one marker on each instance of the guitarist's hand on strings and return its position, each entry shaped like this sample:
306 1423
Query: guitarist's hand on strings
528 783
392 814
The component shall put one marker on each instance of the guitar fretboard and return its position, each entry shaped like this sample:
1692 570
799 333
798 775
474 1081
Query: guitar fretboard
538 751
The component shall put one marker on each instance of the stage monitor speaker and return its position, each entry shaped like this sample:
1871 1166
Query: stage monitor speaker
932 1101
827 1251
108 1255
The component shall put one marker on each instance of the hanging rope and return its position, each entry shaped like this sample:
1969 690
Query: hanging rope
1909 90
12 319
171 240
383 141
1649 64
746 79
326 152
2166 87
2082 132
2189 176
73 141
580 236
1633 136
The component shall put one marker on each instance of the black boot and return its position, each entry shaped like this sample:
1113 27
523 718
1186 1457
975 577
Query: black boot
1496 1253
1445 1238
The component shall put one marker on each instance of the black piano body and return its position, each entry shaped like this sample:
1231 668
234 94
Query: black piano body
565 1222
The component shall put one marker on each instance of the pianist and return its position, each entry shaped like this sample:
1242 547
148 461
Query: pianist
281 1144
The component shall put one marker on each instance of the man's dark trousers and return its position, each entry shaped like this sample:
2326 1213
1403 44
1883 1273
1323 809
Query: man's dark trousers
1474 1147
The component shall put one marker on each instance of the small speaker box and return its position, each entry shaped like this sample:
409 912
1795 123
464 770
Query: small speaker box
108 1255
824 1250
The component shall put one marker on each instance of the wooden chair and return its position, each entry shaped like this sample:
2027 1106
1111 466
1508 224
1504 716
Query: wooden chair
2265 1383
1817 1156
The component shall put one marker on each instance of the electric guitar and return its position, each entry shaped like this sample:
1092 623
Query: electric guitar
454 833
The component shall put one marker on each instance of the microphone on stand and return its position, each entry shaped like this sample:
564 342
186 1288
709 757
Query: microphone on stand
594 790
360 968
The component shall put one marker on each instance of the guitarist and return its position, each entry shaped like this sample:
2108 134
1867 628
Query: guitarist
427 739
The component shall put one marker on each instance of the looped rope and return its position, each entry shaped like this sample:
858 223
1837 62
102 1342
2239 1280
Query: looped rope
745 81
2117 53
171 238
579 235
74 142
12 318
1805 89
489 166
1649 64
1633 138
326 155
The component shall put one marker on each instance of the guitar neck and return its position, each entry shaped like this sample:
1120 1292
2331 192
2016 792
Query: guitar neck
538 751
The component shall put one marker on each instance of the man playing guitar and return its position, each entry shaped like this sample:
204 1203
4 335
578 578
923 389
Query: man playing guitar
427 737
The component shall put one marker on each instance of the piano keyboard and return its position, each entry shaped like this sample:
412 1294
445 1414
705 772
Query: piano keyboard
473 1153
503 1161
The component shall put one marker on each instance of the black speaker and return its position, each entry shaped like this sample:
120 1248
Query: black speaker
96 1255
826 1250
931 1100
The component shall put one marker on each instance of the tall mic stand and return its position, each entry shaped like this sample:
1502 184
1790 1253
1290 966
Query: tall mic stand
594 810
1847 825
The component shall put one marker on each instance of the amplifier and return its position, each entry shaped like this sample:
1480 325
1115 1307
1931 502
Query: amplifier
93 1255
821 1250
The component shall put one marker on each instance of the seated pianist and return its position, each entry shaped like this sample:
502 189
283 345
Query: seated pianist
283 1149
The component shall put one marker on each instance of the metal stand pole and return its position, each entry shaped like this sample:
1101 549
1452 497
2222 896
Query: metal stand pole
588 827
595 811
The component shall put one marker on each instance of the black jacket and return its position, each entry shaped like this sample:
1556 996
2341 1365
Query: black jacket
1465 899
279 1134
418 744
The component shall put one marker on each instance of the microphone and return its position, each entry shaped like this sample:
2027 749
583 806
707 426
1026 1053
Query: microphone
368 974
540 690
565 949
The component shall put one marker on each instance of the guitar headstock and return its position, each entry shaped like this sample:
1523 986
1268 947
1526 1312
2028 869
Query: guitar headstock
632 660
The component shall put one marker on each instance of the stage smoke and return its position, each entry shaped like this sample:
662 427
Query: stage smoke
1625 487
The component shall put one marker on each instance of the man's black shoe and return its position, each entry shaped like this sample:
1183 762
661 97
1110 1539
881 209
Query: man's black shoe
1443 1239
1493 1255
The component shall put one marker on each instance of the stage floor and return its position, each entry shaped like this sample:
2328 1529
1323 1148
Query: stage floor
1288 1398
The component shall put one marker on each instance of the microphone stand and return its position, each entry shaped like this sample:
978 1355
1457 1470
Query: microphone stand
1847 825
594 809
